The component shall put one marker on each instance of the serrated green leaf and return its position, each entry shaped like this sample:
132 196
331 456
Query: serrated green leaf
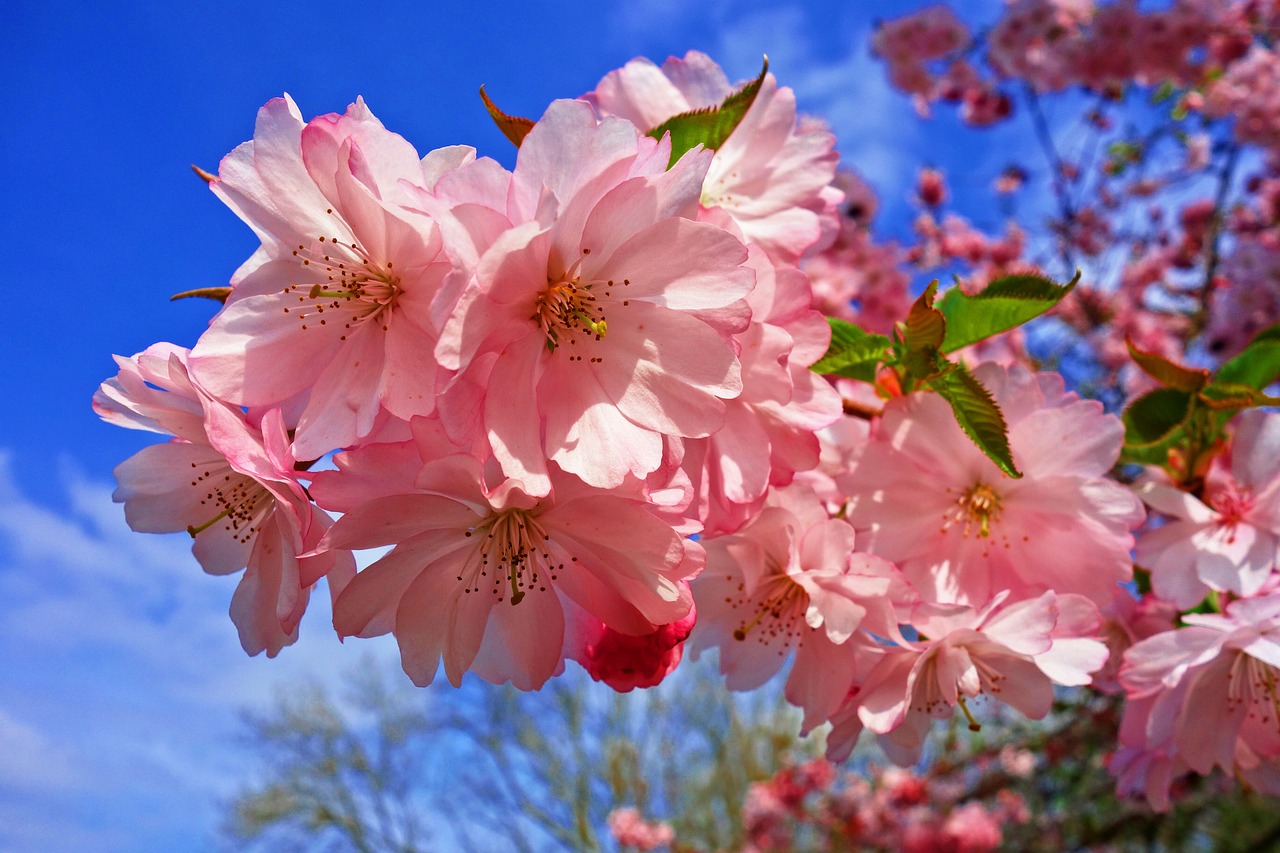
1166 372
1156 417
1223 396
1004 304
709 126
1258 364
514 128
978 415
853 353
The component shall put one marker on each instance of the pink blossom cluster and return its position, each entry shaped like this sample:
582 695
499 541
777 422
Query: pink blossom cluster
633 832
1054 44
1204 694
810 806
540 382
574 398
574 401
923 55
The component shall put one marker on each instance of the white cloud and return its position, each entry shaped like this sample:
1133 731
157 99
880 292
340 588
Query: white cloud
124 679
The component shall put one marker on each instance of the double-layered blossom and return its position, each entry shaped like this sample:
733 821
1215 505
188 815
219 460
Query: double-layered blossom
924 496
1206 695
231 484
1230 540
790 580
771 179
1012 653
335 308
602 319
481 575
770 429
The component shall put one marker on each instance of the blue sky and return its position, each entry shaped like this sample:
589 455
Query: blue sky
122 678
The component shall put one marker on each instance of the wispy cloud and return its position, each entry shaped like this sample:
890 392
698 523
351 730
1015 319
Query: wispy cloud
124 680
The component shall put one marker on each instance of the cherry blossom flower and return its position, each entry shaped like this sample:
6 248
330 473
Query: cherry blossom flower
791 580
769 429
1013 653
231 485
481 576
602 320
771 178
1230 541
336 304
926 498
1207 692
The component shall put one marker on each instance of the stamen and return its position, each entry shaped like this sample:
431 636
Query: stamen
974 725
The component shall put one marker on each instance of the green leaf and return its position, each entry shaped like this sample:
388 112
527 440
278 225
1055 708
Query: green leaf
977 414
1166 372
1004 304
709 126
853 353
1258 365
1155 418
514 128
1232 397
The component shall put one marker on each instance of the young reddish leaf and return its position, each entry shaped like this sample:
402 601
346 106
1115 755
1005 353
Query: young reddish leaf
978 415
218 293
926 326
709 126
514 128
1166 372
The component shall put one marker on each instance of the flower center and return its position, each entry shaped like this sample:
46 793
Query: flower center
572 306
512 557
779 604
238 498
1231 504
1253 683
979 506
353 291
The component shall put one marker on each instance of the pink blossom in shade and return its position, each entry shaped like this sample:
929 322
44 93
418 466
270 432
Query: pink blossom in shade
336 305
625 662
1012 653
1127 620
766 818
481 576
633 831
1140 766
1214 686
1230 541
925 497
603 319
769 429
790 579
1247 298
771 178
232 486
972 829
